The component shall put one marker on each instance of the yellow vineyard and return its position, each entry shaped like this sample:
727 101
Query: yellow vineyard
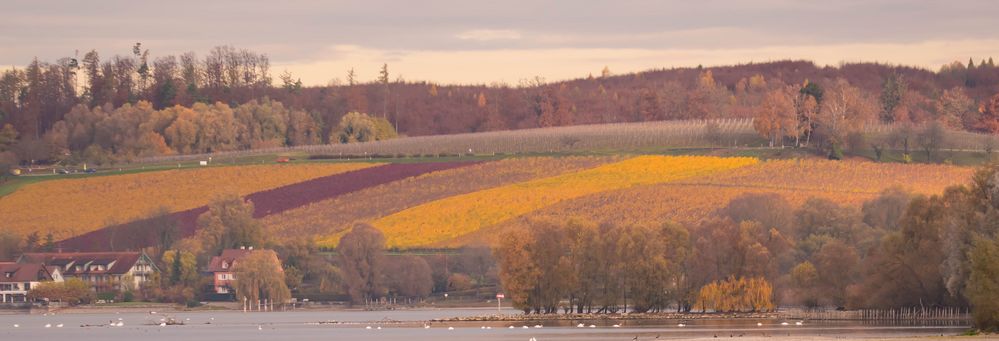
332 218
74 206
690 200
455 216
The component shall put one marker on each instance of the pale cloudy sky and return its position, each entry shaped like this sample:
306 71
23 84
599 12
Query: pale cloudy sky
506 41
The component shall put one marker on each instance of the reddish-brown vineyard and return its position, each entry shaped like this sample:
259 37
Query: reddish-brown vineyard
136 235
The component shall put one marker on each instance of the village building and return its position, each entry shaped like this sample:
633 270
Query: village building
221 269
104 271
16 280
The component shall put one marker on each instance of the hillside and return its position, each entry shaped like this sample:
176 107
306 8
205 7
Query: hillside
446 204
107 125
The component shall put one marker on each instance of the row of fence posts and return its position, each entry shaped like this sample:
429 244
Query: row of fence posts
262 305
897 314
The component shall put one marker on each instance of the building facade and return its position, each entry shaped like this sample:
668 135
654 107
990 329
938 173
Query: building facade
16 280
104 271
220 267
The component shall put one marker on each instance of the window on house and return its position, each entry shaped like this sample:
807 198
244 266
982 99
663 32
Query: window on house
225 265
8 274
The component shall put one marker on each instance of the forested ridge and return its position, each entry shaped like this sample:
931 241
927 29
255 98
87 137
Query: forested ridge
140 104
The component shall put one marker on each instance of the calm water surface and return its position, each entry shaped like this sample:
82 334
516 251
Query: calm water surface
408 325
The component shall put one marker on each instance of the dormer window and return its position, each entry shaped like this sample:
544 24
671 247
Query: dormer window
225 265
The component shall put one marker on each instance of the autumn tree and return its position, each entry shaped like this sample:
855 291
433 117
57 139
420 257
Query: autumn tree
359 127
737 295
362 263
769 209
988 120
708 99
552 107
72 291
806 108
182 270
893 89
844 109
229 224
955 109
983 283
775 117
885 211
409 277
259 277
931 139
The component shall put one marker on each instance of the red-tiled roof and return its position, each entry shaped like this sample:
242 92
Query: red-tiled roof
14 272
121 262
229 256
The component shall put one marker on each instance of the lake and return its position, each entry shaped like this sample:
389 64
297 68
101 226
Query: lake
409 325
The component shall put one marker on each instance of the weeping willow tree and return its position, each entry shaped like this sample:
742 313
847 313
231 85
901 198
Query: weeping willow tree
259 277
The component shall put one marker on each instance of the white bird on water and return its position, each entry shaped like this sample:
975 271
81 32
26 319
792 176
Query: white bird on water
450 328
48 325
616 326
593 326
368 327
59 325
525 327
379 328
120 324
580 325
681 325
426 326
538 326
759 324
798 323
17 326
783 323
259 327
162 324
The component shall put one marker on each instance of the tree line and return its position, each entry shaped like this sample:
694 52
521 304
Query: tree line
792 100
896 250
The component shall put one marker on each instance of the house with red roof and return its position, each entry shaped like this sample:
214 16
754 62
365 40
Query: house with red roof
16 280
221 269
104 271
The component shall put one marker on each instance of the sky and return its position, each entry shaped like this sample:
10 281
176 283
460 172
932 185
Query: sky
487 42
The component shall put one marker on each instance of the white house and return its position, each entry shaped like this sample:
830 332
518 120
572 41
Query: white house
17 279
104 271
